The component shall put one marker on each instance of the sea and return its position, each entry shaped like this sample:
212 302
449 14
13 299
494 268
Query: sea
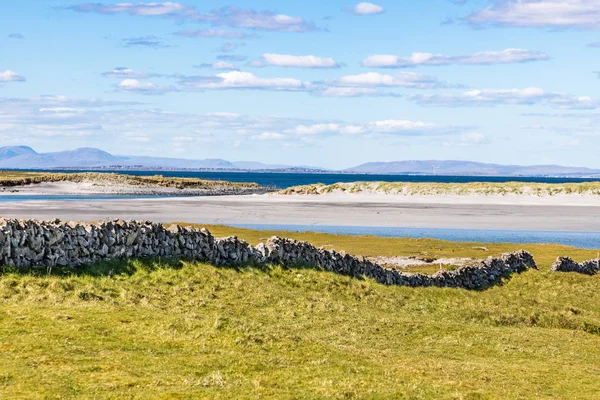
275 180
280 180
582 240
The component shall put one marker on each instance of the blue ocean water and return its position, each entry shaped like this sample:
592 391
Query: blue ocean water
281 180
585 240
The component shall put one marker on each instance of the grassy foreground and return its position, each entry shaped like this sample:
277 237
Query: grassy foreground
150 329
19 178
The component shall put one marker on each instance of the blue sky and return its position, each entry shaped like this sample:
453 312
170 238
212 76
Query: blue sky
333 84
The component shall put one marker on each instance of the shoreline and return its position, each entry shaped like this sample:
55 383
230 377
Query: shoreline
100 188
94 188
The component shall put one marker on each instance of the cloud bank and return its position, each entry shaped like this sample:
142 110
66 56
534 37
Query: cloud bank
226 16
507 56
494 97
287 60
582 14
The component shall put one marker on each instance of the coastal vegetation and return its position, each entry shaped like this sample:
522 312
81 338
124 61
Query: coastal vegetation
20 178
462 189
174 329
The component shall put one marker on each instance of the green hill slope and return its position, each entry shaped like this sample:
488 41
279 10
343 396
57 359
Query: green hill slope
182 330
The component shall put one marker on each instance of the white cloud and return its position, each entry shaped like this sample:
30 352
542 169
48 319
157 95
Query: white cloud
367 8
217 65
493 97
48 101
287 60
140 9
136 86
268 136
11 76
183 139
349 92
392 125
119 125
144 41
231 57
486 57
225 16
473 138
467 139
401 79
318 129
389 127
223 114
244 80
223 65
137 137
229 47
265 20
583 14
352 130
255 64
32 119
215 33
126 73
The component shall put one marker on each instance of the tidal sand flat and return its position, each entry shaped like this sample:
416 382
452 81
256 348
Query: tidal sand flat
326 210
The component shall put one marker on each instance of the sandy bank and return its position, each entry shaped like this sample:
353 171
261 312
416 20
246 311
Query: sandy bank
112 189
100 188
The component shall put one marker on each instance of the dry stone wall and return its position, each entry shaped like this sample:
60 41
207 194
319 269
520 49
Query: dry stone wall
26 244
566 264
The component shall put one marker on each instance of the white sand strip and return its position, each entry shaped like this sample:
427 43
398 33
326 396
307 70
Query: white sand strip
325 210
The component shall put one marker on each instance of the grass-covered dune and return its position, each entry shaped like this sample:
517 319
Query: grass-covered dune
20 178
434 188
151 329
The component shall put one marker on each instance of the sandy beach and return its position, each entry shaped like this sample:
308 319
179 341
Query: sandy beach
468 212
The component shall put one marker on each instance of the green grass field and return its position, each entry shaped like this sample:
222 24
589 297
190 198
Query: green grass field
150 329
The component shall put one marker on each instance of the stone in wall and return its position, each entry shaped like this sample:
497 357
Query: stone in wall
566 264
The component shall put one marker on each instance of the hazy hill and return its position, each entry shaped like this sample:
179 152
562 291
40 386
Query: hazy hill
23 157
435 167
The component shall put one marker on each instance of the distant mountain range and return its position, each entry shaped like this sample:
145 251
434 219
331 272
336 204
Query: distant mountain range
24 157
470 168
